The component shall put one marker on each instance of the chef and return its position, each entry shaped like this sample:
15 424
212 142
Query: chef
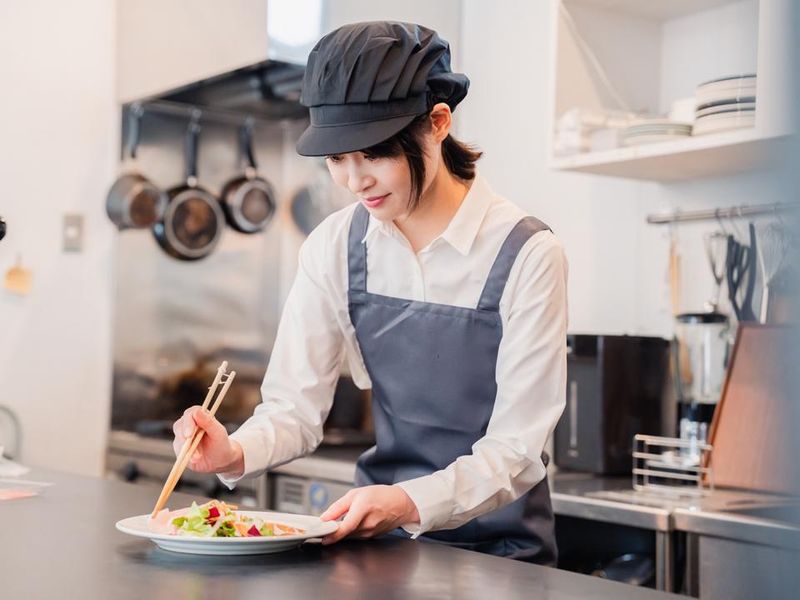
444 298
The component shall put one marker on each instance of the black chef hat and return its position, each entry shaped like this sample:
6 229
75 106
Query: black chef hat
364 82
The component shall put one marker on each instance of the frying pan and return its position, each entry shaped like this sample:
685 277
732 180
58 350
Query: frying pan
133 202
193 220
248 200
313 202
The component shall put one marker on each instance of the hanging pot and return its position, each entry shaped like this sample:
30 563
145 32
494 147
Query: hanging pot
248 200
193 220
133 202
313 202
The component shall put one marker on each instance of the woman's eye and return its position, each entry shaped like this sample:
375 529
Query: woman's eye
333 158
371 157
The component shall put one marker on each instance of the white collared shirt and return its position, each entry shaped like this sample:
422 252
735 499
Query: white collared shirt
315 334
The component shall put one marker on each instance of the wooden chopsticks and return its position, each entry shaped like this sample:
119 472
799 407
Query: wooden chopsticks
191 443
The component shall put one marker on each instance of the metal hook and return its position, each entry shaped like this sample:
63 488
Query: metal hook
720 222
135 114
737 233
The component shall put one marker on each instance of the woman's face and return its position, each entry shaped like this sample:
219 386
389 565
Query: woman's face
382 185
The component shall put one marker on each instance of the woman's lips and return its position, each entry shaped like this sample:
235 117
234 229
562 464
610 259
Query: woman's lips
374 201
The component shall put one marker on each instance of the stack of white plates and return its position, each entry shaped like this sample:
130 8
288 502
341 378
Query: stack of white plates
648 131
723 104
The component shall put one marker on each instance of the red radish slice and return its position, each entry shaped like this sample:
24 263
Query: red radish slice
253 531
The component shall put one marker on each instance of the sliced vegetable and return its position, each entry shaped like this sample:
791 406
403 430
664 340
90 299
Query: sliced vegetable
217 519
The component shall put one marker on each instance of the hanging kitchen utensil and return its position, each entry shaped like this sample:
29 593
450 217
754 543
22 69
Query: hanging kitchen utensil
773 246
2 228
313 202
193 220
248 200
18 279
133 202
740 271
716 244
747 303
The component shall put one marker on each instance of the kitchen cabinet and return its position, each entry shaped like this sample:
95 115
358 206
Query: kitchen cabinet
653 53
165 45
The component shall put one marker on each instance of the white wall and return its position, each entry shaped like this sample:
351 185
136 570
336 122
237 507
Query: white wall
57 155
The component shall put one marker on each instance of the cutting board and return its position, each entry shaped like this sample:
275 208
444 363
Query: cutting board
755 431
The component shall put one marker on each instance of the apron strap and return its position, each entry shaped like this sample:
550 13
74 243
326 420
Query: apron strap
357 250
496 282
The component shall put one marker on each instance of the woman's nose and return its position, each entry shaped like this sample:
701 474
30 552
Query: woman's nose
358 181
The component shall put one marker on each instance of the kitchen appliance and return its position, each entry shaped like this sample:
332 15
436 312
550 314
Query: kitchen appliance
305 496
248 200
615 388
134 202
193 220
699 352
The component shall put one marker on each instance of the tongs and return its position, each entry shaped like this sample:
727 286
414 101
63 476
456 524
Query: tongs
741 274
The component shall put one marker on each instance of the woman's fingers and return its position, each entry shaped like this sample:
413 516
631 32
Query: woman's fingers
215 430
338 508
348 525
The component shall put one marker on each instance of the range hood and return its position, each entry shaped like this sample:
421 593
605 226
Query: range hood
266 90
245 59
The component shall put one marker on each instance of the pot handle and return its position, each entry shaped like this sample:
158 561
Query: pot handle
135 113
246 144
192 135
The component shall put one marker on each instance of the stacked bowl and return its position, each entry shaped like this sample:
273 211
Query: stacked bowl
723 104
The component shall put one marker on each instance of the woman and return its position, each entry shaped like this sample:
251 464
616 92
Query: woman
446 300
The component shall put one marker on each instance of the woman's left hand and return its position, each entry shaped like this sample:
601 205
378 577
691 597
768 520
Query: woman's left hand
370 511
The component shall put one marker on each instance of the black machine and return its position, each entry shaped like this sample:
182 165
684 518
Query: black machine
615 389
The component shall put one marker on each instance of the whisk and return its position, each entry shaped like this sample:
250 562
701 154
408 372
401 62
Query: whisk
773 245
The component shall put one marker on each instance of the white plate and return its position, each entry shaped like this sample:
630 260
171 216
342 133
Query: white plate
727 109
638 140
724 122
314 528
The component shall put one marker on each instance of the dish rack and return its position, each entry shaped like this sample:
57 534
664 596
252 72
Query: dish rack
672 466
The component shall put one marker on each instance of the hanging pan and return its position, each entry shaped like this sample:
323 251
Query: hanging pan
248 200
193 220
133 202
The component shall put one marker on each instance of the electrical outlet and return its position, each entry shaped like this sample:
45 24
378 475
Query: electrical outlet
72 233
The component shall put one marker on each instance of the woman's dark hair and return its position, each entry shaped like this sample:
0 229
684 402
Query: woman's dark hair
459 158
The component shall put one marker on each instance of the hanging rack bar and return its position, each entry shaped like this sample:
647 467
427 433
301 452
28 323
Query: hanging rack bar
723 213
188 111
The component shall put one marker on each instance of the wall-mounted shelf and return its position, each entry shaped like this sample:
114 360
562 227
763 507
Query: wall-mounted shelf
653 53
680 160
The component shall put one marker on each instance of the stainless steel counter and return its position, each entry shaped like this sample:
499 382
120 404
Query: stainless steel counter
732 515
69 547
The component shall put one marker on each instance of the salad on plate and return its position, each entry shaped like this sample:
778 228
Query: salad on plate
217 519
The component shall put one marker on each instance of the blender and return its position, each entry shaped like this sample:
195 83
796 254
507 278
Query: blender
700 352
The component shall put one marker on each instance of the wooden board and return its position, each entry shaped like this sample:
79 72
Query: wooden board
755 427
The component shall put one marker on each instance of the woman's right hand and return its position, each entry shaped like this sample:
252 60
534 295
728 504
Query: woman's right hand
217 453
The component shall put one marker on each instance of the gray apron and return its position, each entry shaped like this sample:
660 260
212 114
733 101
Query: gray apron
433 391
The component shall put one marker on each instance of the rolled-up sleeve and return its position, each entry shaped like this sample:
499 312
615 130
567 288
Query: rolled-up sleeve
531 388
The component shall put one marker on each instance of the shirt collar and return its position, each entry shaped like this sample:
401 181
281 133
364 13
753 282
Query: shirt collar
465 224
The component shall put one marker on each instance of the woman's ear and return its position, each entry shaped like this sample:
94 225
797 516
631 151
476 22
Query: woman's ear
441 121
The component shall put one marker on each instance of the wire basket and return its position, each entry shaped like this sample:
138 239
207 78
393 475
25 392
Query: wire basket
672 466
